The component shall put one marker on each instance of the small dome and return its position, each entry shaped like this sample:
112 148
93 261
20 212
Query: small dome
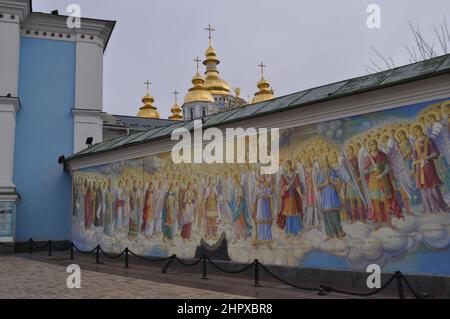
148 110
198 93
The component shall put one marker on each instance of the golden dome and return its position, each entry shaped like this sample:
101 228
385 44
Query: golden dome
148 110
176 113
265 92
198 93
176 110
213 83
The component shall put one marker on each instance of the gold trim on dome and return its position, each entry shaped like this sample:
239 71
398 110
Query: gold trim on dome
176 109
265 92
198 93
148 110
213 83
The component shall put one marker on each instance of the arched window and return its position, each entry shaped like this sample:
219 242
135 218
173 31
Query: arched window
191 114
203 112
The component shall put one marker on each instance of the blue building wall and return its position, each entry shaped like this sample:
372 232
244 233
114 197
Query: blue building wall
44 131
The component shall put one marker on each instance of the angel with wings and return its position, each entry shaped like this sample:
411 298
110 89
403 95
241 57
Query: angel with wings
402 179
438 132
308 174
377 184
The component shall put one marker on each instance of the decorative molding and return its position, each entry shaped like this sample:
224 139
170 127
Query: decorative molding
374 101
9 18
49 26
20 9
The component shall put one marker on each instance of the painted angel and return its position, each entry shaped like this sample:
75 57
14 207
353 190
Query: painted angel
438 132
308 174
375 168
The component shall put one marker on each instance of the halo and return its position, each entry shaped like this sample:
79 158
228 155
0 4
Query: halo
435 113
417 124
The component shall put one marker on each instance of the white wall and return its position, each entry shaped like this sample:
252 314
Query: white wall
87 123
88 93
89 76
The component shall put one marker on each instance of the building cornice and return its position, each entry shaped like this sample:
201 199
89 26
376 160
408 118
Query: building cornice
44 25
18 8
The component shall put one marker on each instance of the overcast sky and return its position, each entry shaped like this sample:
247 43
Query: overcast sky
303 43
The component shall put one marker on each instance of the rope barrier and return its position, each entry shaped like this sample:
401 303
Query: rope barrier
41 246
286 282
84 252
15 245
412 291
229 271
187 264
364 294
322 290
67 247
149 258
111 256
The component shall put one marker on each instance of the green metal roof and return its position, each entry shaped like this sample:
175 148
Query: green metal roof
407 73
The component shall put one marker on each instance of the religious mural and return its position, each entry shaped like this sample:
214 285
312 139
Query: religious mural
367 189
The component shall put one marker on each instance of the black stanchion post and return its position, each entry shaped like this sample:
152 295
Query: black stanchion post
30 249
71 250
398 278
50 248
126 258
204 268
97 254
256 262
164 270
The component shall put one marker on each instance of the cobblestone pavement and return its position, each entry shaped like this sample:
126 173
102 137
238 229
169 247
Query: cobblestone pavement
26 278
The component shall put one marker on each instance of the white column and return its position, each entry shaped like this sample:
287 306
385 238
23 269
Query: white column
11 14
88 93
8 109
9 53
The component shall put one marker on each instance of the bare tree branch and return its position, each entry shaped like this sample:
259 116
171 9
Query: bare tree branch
381 56
376 65
422 48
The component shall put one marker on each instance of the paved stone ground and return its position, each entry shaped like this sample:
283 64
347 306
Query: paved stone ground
25 278
38 275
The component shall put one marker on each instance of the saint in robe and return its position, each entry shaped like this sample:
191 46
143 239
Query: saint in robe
169 212
263 218
211 209
109 210
330 204
187 212
291 200
148 214
241 227
89 207
427 179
